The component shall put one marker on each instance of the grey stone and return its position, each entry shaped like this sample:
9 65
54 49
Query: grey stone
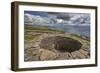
47 55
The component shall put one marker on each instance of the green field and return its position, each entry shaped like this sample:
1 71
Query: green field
30 37
41 28
28 27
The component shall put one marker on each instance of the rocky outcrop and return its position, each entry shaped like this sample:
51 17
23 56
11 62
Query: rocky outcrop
51 46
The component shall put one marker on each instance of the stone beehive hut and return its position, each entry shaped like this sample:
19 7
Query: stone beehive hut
61 44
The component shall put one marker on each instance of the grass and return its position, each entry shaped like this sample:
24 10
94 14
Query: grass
31 37
45 28
41 28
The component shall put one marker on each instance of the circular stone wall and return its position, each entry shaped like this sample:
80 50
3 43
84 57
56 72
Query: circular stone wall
61 44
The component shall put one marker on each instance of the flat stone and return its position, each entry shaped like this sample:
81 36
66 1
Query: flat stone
47 55
35 51
86 49
83 52
74 55
80 55
63 56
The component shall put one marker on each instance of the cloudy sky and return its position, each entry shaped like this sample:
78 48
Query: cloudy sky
38 17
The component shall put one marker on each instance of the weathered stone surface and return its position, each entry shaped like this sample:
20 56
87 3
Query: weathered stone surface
63 56
74 55
54 48
36 51
86 49
70 56
31 54
79 55
47 55
83 52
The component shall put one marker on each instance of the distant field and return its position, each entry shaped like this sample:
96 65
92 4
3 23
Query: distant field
38 28
42 28
29 27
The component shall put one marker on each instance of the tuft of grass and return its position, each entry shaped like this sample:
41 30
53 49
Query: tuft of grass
30 37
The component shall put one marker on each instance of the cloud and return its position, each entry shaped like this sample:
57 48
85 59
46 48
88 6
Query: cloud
64 16
36 19
81 19
56 18
28 18
73 18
